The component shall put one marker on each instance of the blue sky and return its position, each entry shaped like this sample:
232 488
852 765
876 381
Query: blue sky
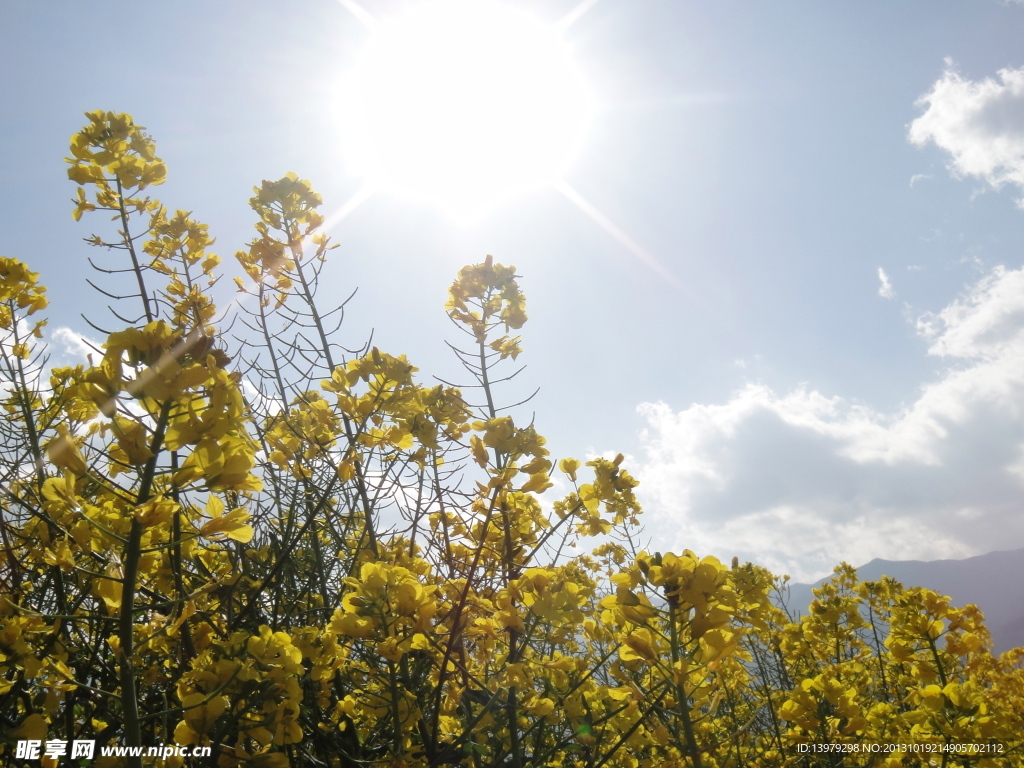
775 398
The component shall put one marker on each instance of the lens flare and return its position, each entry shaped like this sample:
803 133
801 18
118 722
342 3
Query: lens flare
467 103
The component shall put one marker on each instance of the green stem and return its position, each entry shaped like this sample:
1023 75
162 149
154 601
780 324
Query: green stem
130 245
681 699
126 618
307 295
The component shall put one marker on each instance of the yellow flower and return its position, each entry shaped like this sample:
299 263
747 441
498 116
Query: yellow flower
232 525
569 467
638 645
63 452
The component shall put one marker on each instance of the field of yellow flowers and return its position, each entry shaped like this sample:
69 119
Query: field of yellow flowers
299 555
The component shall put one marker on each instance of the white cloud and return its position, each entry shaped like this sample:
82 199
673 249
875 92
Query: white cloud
984 324
801 481
75 344
885 290
979 123
261 404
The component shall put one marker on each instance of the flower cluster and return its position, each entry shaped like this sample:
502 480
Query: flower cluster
295 553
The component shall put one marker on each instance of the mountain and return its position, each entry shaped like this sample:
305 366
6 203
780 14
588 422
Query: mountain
994 582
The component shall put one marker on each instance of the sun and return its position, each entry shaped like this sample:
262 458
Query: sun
467 103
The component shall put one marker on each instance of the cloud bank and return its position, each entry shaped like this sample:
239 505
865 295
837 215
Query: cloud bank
800 481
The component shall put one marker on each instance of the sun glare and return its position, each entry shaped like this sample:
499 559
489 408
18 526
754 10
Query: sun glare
467 103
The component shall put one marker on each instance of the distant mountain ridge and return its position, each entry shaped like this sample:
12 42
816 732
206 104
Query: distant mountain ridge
994 582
